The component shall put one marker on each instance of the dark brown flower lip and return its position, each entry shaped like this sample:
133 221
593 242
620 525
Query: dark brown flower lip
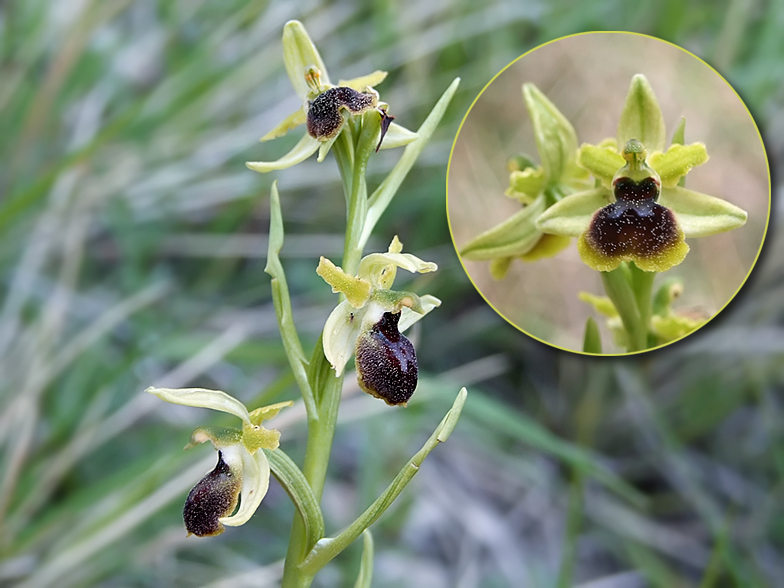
638 227
626 189
214 496
386 362
324 120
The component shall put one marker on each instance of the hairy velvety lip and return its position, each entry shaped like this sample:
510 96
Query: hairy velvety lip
386 362
324 118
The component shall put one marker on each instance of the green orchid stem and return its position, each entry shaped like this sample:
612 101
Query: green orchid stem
352 154
626 291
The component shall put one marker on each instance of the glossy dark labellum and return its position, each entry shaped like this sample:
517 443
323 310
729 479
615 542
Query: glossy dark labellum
634 224
386 362
324 118
215 496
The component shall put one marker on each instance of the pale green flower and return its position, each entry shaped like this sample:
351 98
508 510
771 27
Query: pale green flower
371 318
325 106
242 472
638 211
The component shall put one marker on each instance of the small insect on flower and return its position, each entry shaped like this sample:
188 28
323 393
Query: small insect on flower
386 362
325 114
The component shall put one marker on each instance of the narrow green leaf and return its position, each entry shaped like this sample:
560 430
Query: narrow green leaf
382 196
572 215
282 303
556 140
298 489
641 117
326 549
700 215
592 341
365 577
515 236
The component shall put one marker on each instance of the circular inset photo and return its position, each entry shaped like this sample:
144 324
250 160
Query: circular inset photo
608 193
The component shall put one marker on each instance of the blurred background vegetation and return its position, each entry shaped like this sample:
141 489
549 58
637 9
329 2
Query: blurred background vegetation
132 242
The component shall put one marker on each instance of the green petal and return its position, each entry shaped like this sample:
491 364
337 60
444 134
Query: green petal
555 136
526 185
306 147
265 413
299 56
641 117
356 290
547 246
602 162
515 236
700 215
677 161
291 121
369 81
572 215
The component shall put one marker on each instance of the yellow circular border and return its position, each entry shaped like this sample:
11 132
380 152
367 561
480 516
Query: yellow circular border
630 353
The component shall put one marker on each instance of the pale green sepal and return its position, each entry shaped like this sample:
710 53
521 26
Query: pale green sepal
592 339
341 330
356 290
326 146
255 483
290 122
572 215
371 80
398 136
515 236
365 576
300 55
602 162
306 147
499 267
677 161
556 140
526 185
409 316
203 398
329 547
700 215
679 134
641 117
378 268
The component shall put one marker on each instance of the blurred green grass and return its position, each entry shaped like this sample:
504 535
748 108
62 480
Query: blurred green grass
131 253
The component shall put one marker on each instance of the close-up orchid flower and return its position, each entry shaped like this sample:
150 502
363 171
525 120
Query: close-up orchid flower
370 320
242 472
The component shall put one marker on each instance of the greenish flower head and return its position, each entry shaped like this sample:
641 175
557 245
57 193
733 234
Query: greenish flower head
327 107
369 322
536 187
242 472
639 211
